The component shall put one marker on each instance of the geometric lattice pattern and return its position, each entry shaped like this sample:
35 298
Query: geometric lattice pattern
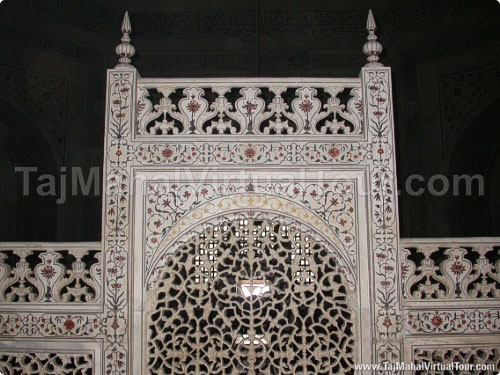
251 297
46 364
468 360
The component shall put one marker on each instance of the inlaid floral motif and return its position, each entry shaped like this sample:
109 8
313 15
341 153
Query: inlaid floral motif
169 203
41 276
51 324
470 321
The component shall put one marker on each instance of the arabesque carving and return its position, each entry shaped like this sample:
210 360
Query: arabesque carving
251 297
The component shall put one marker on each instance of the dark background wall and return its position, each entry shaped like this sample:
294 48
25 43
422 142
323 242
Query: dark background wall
446 74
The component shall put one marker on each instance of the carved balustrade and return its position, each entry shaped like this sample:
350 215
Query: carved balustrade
41 274
450 298
249 107
450 270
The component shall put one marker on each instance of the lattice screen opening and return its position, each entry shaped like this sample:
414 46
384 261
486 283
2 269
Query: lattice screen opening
251 297
46 363
465 355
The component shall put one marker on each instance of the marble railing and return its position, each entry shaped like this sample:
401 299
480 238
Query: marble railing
451 270
450 300
35 275
438 269
264 106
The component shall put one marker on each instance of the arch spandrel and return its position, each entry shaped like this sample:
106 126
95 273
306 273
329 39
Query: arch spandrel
184 233
323 219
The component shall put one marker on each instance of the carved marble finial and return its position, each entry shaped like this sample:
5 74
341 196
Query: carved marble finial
125 50
372 47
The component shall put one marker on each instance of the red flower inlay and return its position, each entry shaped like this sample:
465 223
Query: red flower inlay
193 106
457 268
387 322
306 106
69 324
436 321
249 107
250 153
48 272
334 152
167 153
